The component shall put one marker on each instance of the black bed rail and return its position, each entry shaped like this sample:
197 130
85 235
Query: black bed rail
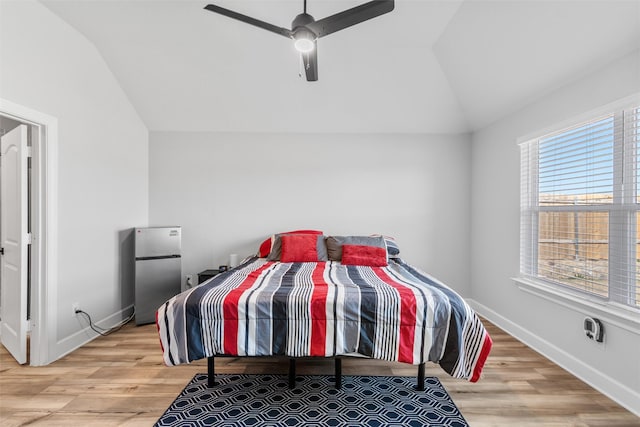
292 373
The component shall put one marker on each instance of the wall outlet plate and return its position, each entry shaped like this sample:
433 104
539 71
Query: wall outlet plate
594 329
75 306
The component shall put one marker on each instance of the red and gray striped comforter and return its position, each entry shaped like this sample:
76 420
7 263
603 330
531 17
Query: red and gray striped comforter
326 309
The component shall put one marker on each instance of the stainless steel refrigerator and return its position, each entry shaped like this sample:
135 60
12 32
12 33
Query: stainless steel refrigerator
158 269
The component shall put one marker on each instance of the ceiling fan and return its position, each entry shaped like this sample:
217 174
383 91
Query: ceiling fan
305 30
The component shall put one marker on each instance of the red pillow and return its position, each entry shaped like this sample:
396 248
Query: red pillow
370 256
299 248
265 247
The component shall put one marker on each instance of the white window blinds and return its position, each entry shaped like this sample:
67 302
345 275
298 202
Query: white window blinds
579 207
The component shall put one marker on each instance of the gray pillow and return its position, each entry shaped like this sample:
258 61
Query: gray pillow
276 249
334 244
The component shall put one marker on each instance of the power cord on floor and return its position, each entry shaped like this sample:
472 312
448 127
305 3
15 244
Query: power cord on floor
105 332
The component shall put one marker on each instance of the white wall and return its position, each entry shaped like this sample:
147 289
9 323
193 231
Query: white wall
555 330
102 160
231 191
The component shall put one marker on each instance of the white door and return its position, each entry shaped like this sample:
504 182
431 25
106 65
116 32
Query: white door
13 232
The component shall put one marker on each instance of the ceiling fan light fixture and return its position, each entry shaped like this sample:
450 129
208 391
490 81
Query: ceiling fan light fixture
304 40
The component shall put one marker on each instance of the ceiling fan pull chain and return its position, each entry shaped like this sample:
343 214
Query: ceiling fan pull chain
300 66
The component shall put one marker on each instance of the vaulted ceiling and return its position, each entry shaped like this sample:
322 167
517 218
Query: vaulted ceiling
445 66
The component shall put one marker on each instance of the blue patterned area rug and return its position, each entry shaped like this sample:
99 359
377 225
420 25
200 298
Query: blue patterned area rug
266 400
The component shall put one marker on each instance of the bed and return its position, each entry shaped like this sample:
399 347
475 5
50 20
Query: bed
325 296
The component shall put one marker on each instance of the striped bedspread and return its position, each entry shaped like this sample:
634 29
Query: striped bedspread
263 308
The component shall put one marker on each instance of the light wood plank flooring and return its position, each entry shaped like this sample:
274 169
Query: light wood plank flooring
120 380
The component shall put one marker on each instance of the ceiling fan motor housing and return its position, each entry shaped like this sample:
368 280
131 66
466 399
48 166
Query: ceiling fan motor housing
301 21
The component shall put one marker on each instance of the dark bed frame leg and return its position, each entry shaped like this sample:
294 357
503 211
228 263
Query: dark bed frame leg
292 373
211 372
338 372
420 385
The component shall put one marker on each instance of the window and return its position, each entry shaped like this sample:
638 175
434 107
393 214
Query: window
580 196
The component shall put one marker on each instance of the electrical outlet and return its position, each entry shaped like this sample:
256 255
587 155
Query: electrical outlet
190 279
75 307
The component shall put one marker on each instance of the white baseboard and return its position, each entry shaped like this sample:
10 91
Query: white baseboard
608 386
80 338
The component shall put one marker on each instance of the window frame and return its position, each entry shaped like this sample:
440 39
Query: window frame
625 207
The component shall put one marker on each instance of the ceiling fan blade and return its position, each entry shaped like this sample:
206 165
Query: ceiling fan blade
249 20
310 63
350 17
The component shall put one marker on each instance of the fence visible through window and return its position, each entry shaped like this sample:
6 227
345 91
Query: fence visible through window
573 249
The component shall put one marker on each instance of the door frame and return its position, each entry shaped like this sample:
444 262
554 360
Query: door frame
44 216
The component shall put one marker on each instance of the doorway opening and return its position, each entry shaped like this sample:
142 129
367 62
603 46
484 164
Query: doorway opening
40 321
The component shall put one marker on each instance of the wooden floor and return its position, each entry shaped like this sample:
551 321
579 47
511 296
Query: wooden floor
120 380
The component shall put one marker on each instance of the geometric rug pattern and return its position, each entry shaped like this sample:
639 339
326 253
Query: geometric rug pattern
266 400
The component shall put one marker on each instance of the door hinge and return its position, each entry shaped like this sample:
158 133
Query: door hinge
29 151
29 238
